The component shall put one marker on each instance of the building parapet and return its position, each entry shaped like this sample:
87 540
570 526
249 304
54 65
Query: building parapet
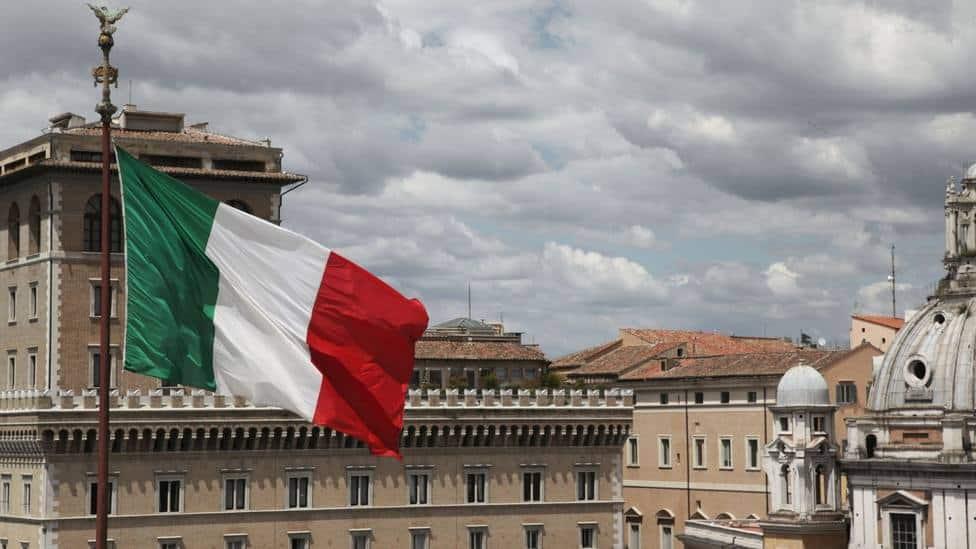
24 400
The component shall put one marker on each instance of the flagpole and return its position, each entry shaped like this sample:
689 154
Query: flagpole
106 75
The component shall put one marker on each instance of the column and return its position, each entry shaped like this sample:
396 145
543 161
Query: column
948 232
953 233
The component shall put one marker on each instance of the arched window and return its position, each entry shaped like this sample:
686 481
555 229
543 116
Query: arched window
34 226
240 205
13 232
93 225
820 486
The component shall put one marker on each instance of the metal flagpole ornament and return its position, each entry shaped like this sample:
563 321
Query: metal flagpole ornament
106 75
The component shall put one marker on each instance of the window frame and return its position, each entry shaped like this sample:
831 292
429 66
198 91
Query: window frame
724 442
422 532
470 472
298 475
428 483
699 397
789 425
633 451
304 537
11 372
32 301
823 424
481 531
235 477
665 398
113 499
699 453
32 368
6 492
592 528
541 495
725 397
584 476
847 389
180 496
354 499
11 304
537 530
664 460
230 539
113 365
758 464
26 494
752 397
94 291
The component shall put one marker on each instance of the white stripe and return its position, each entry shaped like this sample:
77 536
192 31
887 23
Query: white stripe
269 278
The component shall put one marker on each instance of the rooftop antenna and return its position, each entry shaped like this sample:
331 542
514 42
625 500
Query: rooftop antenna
891 278
130 91
469 301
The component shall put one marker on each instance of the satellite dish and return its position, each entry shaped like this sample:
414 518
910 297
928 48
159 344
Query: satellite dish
821 342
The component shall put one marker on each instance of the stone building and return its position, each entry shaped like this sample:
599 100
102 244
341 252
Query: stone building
878 330
193 470
910 463
701 429
467 353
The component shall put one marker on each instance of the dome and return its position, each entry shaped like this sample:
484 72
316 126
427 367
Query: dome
970 172
930 363
802 386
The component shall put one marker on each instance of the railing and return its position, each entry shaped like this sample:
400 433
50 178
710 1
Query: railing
19 400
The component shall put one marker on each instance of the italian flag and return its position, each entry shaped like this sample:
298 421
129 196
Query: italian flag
225 301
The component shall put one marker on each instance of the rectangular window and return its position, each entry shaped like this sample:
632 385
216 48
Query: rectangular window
235 542
752 397
819 425
298 542
476 539
532 486
635 536
11 371
298 491
94 356
32 368
96 299
846 392
169 545
169 495
784 424
725 452
587 537
664 452
93 497
667 537
359 489
5 494
699 398
32 302
419 539
699 459
903 531
726 397
12 304
235 493
585 485
752 453
533 537
633 452
418 486
476 485
26 495
664 398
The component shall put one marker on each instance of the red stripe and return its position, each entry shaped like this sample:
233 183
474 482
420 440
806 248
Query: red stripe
361 336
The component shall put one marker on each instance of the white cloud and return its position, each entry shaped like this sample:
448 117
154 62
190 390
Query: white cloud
781 280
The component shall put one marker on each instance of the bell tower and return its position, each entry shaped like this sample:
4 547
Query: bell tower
960 236
801 466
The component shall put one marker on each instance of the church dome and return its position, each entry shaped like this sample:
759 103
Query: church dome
802 386
970 172
930 363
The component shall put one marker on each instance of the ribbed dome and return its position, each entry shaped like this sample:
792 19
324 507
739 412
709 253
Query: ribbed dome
802 386
970 172
930 364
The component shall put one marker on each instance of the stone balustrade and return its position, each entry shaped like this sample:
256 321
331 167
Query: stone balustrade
22 400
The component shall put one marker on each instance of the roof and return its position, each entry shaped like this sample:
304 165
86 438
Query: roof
280 178
462 322
802 385
579 358
441 349
892 322
189 134
747 364
622 359
708 343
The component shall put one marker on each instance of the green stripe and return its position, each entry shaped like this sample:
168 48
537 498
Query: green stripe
171 284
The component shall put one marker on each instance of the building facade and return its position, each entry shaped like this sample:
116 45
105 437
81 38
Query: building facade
701 429
877 330
195 470
911 464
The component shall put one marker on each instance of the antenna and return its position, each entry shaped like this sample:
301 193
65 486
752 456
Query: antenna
130 91
894 309
469 300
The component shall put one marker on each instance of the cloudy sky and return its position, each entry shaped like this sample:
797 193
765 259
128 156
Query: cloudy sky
584 166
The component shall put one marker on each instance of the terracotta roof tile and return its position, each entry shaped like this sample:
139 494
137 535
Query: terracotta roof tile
278 177
188 135
622 359
441 349
746 364
892 322
579 358
707 344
